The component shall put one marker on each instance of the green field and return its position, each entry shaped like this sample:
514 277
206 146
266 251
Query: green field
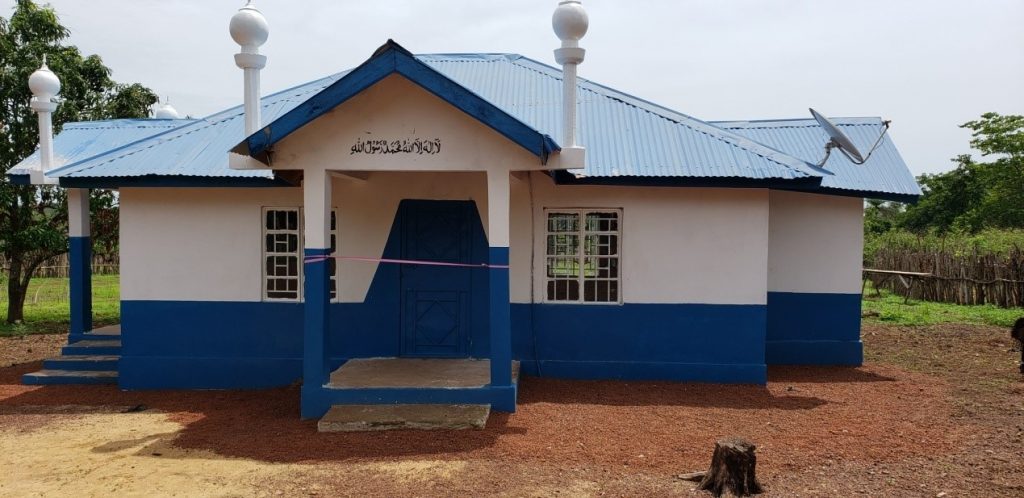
891 308
47 307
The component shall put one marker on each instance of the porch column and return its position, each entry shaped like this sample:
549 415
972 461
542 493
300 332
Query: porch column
316 191
80 263
504 398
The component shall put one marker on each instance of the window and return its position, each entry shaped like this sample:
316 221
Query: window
583 255
282 254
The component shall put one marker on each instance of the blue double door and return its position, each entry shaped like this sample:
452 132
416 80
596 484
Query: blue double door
441 315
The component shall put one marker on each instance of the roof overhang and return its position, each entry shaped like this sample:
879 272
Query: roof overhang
113 182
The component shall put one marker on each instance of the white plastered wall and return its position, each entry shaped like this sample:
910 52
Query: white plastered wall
816 243
195 244
679 245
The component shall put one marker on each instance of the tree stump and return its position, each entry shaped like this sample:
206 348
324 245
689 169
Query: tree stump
732 469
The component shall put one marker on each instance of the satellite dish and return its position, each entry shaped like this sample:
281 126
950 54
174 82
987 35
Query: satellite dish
838 140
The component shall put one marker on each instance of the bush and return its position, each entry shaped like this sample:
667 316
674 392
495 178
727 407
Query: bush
999 242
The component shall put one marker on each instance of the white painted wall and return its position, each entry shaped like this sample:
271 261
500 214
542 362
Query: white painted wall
816 243
195 244
678 245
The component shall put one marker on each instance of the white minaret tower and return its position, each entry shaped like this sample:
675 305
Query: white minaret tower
45 86
249 29
570 23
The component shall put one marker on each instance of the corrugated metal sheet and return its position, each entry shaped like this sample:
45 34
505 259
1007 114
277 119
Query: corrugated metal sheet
884 172
197 149
625 136
80 141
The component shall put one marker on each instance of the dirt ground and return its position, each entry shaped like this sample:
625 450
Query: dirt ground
27 348
937 411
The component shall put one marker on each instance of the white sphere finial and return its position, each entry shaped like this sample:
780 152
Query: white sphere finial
249 28
570 21
44 84
166 111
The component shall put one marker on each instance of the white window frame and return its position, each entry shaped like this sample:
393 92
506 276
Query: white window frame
581 256
300 253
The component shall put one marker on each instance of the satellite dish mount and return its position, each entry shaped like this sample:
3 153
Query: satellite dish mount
839 140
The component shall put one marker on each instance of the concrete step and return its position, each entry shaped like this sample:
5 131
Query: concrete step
93 347
51 377
109 331
82 362
361 418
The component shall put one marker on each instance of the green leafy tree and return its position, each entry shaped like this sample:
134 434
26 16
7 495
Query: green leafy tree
33 220
949 200
1001 138
975 195
881 216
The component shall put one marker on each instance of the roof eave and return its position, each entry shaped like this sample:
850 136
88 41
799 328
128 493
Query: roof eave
113 182
802 183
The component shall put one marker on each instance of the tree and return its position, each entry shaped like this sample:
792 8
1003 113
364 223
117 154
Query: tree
949 200
974 195
1001 137
33 220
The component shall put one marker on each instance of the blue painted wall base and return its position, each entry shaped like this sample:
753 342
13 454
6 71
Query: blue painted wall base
813 329
837 353
211 345
645 370
187 343
138 372
681 342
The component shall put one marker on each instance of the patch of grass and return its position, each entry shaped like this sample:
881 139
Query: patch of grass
890 308
48 306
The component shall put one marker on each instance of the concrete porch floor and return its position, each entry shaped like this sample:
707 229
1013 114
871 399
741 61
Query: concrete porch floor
363 373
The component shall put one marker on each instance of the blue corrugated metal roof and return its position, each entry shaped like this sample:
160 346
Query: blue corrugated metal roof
884 172
80 141
197 149
624 136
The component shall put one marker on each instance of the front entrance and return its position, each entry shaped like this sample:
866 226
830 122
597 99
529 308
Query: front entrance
437 301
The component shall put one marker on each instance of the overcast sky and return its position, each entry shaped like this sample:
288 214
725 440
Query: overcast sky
927 65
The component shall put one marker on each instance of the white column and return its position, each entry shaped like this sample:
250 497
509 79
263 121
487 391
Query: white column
497 208
44 110
503 393
80 262
251 65
316 192
78 212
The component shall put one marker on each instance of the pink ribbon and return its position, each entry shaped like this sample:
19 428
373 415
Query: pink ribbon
317 259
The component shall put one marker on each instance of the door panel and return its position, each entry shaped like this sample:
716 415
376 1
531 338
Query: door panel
436 300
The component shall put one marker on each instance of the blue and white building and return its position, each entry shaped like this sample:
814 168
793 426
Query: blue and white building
471 206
